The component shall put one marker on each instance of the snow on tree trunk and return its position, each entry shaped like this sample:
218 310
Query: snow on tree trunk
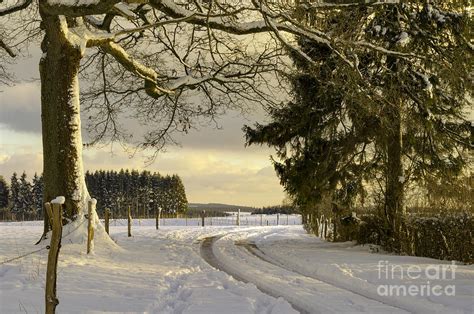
61 124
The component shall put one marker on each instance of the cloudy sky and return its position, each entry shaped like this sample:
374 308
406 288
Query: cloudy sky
213 163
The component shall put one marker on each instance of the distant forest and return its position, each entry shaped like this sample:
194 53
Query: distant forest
277 209
143 191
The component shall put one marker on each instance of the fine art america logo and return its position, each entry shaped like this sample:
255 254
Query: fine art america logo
431 280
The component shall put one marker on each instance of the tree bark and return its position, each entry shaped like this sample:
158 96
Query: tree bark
60 116
394 194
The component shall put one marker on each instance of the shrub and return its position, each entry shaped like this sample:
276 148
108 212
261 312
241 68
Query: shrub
446 236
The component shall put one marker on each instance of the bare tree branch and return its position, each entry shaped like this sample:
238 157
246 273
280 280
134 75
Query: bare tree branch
15 8
7 49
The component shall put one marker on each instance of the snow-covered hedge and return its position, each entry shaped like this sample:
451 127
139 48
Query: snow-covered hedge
442 236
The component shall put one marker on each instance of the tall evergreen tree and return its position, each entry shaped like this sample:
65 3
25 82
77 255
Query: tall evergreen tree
156 191
144 184
14 196
25 196
180 202
37 194
400 115
4 193
166 195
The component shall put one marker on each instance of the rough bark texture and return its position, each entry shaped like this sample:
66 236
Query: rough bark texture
60 117
394 194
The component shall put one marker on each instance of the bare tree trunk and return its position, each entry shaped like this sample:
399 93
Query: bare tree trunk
394 194
60 117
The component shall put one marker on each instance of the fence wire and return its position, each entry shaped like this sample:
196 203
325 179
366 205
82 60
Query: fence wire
41 249
209 221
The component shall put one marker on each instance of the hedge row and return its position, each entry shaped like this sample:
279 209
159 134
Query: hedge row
445 237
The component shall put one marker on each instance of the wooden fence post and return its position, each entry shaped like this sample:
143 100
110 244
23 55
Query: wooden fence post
238 217
325 228
278 219
261 219
157 217
129 222
107 217
55 213
90 228
203 215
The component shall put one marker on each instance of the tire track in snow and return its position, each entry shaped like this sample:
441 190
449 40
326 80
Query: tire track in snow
305 294
208 255
256 251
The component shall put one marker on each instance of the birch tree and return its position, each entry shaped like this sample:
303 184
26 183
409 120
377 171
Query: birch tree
149 60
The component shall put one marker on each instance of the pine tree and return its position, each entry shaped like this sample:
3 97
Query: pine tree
37 193
14 196
134 189
399 116
179 200
122 191
4 193
144 184
25 196
156 191
166 194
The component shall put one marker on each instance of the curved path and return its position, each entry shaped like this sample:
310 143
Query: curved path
305 294
256 251
208 255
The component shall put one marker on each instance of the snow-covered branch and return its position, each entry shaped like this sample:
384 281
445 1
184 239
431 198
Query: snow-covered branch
17 7
385 51
215 22
149 75
189 81
5 47
76 8
349 5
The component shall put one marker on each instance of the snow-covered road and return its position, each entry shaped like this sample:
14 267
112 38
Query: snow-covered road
163 271
305 294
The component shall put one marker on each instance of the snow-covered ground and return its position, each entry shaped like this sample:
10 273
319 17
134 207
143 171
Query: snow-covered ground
406 283
162 271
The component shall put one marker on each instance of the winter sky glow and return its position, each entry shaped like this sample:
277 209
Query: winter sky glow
214 164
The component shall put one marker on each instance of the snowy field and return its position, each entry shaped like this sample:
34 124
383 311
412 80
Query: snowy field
162 271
